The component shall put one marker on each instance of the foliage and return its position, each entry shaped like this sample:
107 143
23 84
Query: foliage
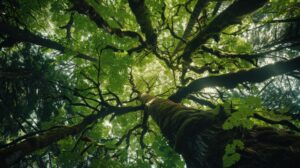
29 94
61 61
231 156
240 110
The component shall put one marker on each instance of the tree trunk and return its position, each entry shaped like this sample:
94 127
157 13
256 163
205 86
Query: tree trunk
199 138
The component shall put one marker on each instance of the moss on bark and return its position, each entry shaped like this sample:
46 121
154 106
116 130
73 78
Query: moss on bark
199 138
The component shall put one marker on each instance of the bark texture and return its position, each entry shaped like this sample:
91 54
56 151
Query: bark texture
199 138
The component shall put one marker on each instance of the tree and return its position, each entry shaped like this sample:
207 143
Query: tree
205 83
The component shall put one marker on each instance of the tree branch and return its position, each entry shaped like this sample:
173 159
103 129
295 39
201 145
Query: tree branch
248 57
142 15
12 153
202 101
18 35
230 80
68 26
193 19
281 122
84 8
232 15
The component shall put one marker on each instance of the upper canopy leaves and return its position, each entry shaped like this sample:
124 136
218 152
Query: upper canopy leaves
62 61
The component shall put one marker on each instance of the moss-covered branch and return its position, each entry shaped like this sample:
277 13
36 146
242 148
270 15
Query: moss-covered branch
231 80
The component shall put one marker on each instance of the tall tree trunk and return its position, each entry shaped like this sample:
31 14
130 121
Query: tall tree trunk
198 137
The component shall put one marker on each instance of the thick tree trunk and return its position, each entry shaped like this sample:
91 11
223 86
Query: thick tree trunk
199 138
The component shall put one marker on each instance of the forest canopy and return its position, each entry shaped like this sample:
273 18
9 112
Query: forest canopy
149 83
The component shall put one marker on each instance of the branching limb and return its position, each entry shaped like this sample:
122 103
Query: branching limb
145 129
192 21
248 57
280 122
150 84
232 15
19 35
171 30
231 80
13 153
126 137
206 67
82 7
133 86
137 49
142 15
202 101
68 26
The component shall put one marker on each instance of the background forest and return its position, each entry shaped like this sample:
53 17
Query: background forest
149 83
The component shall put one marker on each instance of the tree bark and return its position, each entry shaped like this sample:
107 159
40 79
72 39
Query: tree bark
198 136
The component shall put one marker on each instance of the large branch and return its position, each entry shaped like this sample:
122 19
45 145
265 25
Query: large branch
82 7
10 154
142 15
13 153
192 21
219 54
251 57
16 35
233 14
231 80
287 123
